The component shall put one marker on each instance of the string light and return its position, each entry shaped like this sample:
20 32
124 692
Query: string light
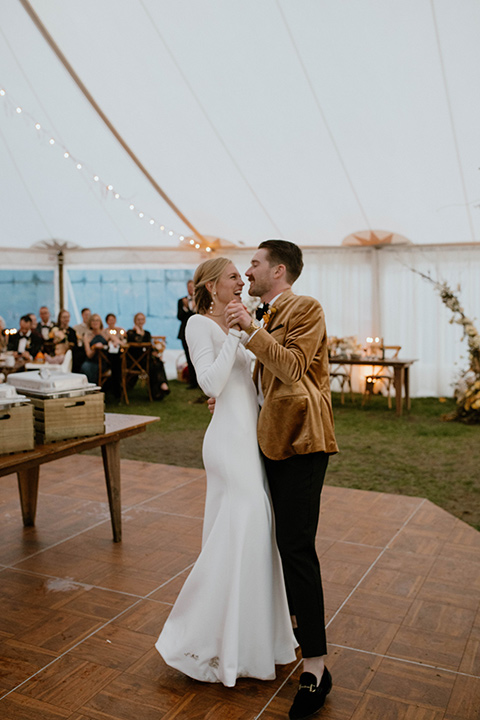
92 176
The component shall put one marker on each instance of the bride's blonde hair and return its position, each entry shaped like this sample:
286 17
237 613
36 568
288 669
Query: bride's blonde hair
208 271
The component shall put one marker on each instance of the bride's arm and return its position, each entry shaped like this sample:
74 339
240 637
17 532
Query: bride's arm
212 372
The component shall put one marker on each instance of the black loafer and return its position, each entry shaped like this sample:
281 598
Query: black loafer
310 697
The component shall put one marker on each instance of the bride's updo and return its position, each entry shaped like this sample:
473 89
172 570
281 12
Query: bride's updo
208 271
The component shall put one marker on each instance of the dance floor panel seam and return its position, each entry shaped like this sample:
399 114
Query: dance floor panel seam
79 614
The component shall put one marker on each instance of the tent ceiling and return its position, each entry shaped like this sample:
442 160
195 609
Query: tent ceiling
305 120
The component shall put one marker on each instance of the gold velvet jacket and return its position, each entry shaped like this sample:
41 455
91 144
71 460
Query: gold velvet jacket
296 416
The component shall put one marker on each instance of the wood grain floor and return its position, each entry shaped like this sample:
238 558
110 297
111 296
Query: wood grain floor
79 614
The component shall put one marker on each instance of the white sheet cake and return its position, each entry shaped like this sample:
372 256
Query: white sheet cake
9 396
46 381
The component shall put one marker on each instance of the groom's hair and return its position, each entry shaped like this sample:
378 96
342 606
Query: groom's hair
283 252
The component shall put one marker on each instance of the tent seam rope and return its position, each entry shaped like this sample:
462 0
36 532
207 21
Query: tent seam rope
323 117
452 120
209 120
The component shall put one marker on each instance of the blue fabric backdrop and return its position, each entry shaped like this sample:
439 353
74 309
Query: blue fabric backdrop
155 292
25 291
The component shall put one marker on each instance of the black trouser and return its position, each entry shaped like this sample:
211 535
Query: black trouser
192 377
296 486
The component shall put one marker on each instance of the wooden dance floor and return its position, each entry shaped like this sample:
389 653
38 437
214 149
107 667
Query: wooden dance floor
79 614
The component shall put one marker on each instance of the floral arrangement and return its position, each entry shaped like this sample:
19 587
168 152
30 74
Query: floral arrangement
56 335
268 316
467 387
344 347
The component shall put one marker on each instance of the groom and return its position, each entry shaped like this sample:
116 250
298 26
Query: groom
296 437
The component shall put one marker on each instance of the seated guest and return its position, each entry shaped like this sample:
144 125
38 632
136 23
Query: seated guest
3 337
114 334
24 344
158 378
61 349
62 330
82 327
46 324
93 339
116 338
34 322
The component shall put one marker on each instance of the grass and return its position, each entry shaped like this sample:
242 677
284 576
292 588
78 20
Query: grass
418 454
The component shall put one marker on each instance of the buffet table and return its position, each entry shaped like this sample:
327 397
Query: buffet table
400 374
27 464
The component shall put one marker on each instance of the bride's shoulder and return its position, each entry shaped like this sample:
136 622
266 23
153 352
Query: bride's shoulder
197 322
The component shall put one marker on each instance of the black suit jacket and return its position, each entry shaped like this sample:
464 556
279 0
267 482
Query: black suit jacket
33 346
183 314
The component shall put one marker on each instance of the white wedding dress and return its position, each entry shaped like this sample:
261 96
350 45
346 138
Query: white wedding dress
231 617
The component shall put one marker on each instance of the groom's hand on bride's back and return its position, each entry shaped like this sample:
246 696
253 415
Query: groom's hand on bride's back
211 405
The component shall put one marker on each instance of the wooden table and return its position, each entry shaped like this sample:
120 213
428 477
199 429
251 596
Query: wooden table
400 374
27 464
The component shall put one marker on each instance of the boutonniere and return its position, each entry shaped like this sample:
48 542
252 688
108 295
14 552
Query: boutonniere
267 317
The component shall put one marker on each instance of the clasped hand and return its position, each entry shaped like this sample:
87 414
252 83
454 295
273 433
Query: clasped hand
236 316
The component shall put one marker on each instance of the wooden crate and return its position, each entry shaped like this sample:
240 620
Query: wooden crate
64 418
16 429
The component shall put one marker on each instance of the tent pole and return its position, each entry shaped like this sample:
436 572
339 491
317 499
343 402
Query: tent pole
376 314
53 45
61 296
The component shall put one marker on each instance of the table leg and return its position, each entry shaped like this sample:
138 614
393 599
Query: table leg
398 376
28 490
111 465
406 383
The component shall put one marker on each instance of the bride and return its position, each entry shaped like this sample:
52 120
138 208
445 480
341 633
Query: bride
231 617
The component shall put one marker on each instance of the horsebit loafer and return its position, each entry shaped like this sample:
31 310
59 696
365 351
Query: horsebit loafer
310 697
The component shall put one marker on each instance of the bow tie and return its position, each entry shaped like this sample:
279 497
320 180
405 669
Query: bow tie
261 310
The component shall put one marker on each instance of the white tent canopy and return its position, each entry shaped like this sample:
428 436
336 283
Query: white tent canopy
301 119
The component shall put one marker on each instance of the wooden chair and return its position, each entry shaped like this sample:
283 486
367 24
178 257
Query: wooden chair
383 376
342 374
136 364
104 369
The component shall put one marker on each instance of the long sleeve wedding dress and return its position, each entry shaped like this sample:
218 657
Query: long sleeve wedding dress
231 617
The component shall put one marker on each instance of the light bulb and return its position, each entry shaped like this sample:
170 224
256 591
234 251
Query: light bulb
66 155
152 222
162 227
116 196
96 178
2 91
170 232
132 207
208 249
182 238
38 126
197 246
19 110
79 166
192 242
109 187
51 141
140 215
